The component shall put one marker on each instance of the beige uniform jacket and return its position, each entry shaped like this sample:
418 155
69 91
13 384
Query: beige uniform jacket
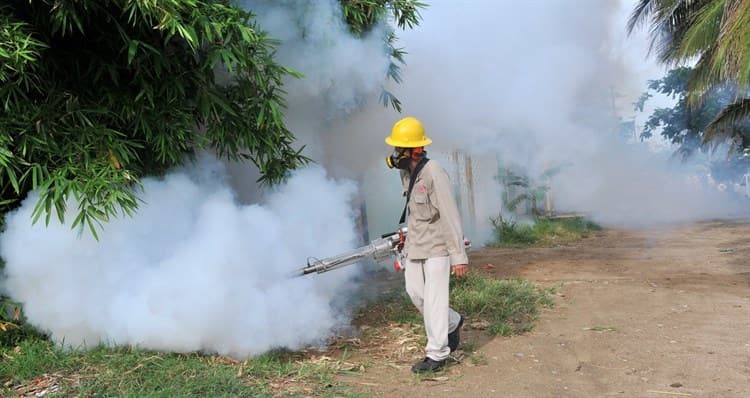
433 221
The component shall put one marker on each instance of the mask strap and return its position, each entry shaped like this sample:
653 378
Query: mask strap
413 179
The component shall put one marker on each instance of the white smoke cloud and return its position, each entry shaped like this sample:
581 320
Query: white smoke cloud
339 69
192 270
195 269
528 83
342 75
535 84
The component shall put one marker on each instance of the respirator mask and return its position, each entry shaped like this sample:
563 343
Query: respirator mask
399 160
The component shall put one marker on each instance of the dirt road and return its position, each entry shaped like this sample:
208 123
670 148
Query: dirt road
661 313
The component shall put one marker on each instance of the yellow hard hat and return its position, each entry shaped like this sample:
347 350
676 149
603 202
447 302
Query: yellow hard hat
408 133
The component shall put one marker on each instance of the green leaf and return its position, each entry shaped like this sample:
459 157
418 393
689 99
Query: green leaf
132 49
92 227
13 180
84 82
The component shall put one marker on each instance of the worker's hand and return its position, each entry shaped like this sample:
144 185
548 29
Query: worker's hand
459 270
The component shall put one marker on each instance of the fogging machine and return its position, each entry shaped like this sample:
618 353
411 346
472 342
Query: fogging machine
388 245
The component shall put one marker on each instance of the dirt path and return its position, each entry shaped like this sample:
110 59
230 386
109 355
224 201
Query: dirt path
663 313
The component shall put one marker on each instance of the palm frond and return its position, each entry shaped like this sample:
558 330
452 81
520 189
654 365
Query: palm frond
734 42
723 125
640 14
670 20
703 78
677 21
513 204
703 30
552 171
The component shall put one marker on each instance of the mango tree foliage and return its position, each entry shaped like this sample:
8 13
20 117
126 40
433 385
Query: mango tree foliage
685 125
715 34
96 94
362 15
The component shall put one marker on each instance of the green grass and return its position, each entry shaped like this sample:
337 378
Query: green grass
13 328
542 232
508 306
474 356
392 306
138 373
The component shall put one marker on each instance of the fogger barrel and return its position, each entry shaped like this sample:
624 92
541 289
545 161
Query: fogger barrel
386 246
378 250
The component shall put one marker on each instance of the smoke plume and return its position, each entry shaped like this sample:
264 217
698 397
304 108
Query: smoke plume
342 77
533 85
192 270
338 69
203 264
536 85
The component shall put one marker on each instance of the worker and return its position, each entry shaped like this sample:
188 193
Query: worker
434 247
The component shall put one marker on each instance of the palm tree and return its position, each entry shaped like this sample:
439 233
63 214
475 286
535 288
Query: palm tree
717 34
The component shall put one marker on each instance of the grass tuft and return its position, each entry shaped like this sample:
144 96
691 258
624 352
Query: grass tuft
508 306
133 372
542 232
392 306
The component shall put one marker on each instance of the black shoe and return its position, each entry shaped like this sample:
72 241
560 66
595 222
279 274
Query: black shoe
454 337
427 365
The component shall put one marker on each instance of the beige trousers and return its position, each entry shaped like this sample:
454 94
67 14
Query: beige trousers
427 285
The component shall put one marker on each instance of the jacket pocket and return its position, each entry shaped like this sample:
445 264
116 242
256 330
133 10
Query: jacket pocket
420 207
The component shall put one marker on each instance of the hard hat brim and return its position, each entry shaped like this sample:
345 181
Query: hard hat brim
407 144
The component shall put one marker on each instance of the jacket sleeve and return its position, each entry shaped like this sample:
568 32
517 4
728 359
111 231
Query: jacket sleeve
450 221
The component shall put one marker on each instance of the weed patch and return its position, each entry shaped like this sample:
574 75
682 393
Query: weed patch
132 372
392 306
13 327
36 366
542 232
508 306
